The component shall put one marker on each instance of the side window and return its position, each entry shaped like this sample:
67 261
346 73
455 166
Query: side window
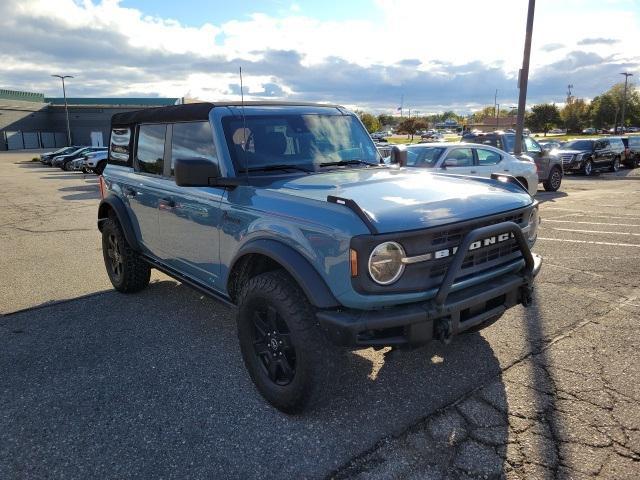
487 157
460 157
119 148
634 142
531 145
192 140
600 144
150 149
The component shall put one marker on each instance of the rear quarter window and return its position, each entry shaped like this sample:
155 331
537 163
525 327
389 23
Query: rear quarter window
150 149
119 146
634 142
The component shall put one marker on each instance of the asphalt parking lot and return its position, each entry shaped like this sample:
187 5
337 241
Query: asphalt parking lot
95 384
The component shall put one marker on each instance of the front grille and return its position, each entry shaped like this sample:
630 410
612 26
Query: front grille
566 158
422 276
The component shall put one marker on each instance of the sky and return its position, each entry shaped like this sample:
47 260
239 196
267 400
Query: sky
367 55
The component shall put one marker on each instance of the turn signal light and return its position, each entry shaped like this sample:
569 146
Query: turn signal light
353 260
103 187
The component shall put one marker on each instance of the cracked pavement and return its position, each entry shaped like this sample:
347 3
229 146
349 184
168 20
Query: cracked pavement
94 384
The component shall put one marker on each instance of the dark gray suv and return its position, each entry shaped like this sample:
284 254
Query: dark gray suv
591 154
549 165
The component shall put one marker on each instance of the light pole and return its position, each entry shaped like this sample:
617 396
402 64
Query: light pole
66 109
624 99
523 79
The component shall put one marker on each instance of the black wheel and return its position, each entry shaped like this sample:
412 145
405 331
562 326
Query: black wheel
636 162
127 271
100 168
587 168
615 165
286 354
552 184
66 166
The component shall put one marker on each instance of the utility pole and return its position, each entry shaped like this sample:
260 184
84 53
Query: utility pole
624 99
498 118
569 97
523 78
66 108
495 105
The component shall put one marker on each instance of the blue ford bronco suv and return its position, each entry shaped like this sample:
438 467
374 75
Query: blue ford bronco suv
287 212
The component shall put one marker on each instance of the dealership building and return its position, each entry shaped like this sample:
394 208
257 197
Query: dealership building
31 120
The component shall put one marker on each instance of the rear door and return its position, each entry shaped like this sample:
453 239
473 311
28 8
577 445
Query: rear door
488 162
602 153
145 189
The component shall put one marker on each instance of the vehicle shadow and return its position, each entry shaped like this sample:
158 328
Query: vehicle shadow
160 371
543 197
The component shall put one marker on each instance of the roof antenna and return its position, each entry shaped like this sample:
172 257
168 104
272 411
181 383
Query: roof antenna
244 130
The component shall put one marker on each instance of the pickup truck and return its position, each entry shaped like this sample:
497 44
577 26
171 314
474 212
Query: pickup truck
287 213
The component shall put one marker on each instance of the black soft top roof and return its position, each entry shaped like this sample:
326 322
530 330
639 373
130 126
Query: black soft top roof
191 111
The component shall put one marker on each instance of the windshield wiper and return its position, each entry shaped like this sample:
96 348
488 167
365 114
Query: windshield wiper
282 166
347 162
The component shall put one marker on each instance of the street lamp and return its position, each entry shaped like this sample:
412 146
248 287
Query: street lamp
523 78
624 99
66 109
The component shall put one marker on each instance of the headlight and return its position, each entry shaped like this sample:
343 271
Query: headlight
385 263
534 221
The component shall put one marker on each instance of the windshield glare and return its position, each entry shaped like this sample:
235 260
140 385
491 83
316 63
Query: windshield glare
305 141
578 145
426 157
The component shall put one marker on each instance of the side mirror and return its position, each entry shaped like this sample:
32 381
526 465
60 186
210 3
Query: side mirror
399 155
195 172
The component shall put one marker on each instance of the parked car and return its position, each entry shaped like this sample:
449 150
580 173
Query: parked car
62 161
472 160
557 131
550 145
588 155
548 164
589 131
432 137
46 158
631 156
285 211
95 162
76 164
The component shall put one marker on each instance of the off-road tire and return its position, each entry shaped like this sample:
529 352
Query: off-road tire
315 357
587 170
615 165
134 273
553 182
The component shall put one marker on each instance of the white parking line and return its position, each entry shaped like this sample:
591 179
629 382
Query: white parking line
589 241
581 213
554 220
593 231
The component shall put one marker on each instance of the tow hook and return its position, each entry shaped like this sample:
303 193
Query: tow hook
443 330
526 296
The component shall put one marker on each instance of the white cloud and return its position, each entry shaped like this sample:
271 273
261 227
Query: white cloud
472 39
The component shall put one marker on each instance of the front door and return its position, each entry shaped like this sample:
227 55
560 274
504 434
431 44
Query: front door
460 162
190 217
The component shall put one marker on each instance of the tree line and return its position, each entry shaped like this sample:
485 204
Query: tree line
604 111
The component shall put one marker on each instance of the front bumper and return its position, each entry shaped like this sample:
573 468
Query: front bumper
448 314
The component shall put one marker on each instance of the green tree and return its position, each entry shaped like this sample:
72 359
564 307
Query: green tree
575 115
544 117
409 126
605 110
371 122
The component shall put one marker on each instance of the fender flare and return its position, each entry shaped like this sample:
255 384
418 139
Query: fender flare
307 277
112 202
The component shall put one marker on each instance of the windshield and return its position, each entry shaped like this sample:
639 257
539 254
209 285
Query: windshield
304 142
578 145
423 156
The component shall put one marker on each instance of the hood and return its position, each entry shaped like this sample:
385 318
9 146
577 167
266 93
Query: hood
408 199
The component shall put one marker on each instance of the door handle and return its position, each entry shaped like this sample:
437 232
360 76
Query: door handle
473 171
167 203
129 192
506 169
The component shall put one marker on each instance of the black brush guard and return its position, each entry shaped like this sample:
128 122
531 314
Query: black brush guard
449 312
